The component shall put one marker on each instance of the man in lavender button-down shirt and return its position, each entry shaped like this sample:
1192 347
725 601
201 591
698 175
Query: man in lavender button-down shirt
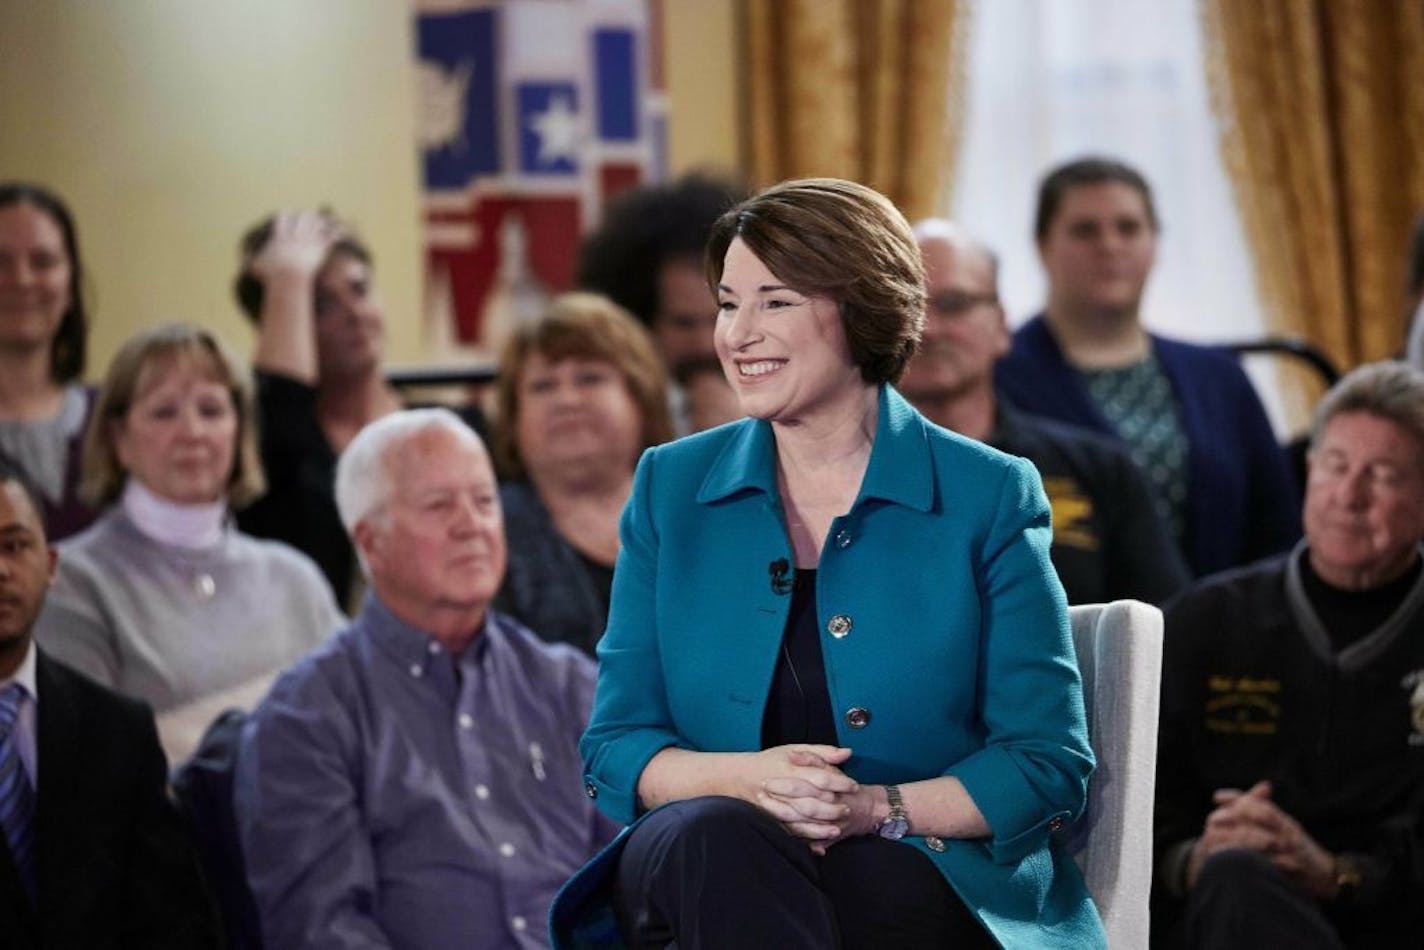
415 781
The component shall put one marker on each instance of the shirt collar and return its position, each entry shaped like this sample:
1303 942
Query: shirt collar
409 644
900 471
25 675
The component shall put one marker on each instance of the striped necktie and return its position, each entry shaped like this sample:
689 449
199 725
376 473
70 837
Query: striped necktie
17 797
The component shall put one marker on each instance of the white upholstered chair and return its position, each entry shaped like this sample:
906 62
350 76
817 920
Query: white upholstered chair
1120 657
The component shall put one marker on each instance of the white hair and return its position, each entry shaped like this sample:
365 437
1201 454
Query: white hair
953 234
363 477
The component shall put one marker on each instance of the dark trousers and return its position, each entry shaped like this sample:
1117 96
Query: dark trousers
1242 900
719 872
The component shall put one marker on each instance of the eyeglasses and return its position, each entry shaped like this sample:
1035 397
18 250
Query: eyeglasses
953 303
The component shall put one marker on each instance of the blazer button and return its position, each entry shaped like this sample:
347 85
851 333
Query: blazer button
1055 823
838 626
590 789
844 538
933 843
858 717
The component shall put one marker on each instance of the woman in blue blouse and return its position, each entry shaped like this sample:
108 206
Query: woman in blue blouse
837 699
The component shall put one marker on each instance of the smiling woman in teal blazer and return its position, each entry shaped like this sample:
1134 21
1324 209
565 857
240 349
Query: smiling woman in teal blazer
902 714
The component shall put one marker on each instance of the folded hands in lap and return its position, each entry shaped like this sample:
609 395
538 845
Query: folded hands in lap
803 787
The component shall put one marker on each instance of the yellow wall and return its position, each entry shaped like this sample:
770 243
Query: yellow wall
171 125
699 54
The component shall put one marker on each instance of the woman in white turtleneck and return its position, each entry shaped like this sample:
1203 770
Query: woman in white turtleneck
162 598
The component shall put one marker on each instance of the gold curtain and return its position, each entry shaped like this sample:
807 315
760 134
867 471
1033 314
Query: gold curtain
1321 104
857 89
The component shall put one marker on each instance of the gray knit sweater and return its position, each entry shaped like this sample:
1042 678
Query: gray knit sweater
169 625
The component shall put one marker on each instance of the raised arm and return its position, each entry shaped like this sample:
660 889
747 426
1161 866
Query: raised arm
287 265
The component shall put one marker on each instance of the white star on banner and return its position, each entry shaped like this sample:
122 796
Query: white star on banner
557 128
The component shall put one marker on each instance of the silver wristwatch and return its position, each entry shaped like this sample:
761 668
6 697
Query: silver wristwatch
895 825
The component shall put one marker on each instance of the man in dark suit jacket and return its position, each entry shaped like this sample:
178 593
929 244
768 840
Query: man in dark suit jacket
112 866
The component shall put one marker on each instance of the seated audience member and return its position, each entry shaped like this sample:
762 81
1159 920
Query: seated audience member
1187 413
163 599
1108 542
43 331
647 257
581 395
94 855
708 399
1290 782
415 781
306 282
837 702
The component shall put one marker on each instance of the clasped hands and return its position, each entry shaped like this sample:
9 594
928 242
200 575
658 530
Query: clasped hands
803 787
1251 820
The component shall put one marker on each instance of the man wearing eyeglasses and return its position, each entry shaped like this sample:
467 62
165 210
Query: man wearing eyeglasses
1108 541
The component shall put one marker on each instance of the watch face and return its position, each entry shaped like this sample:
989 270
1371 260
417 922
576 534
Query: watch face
893 828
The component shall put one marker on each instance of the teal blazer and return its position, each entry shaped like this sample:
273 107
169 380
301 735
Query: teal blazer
951 637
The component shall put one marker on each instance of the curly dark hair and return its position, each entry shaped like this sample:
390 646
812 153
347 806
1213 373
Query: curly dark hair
647 226
71 340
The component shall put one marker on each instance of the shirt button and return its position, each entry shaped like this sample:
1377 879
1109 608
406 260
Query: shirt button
844 538
933 843
416 670
858 717
507 850
518 923
590 789
433 647
1055 823
838 626
466 721
482 792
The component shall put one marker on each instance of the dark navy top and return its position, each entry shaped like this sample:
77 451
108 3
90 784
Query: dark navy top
798 708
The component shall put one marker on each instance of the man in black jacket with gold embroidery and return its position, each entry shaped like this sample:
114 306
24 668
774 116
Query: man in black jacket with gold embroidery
1290 767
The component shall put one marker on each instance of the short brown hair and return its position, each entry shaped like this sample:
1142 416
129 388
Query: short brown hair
590 326
1082 172
172 344
837 239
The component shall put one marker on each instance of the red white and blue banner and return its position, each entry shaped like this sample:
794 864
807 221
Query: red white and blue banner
533 113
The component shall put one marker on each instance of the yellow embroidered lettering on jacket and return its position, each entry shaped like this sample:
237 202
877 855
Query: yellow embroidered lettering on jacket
1072 513
1242 705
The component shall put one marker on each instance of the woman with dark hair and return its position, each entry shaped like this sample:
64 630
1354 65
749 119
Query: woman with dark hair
306 282
43 333
581 394
837 697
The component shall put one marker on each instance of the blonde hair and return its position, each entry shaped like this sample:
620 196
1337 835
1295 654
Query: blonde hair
174 344
593 327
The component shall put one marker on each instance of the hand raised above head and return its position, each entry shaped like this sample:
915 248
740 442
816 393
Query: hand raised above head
299 244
